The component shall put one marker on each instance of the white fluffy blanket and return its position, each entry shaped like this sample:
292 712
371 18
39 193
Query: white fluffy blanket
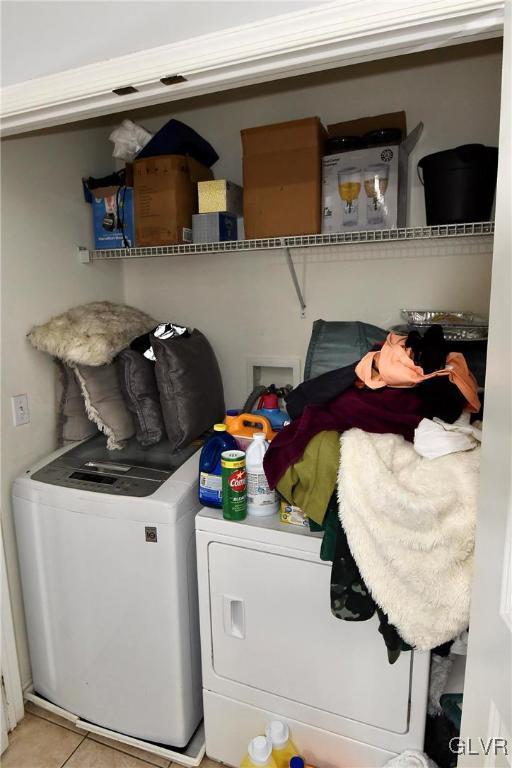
91 334
410 524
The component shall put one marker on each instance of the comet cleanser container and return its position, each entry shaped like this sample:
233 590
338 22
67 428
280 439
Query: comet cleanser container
234 485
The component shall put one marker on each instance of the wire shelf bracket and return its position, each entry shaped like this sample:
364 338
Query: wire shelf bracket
84 255
295 281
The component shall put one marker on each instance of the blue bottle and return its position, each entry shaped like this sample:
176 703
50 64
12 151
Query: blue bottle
210 477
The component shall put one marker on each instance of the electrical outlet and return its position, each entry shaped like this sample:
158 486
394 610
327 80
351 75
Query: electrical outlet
20 412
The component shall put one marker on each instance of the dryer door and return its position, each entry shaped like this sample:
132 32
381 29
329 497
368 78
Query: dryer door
272 629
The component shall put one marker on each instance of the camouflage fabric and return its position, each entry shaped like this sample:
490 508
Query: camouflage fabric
350 597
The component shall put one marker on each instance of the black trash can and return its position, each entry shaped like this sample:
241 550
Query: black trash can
459 184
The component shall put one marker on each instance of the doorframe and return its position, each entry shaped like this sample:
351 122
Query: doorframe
10 674
334 34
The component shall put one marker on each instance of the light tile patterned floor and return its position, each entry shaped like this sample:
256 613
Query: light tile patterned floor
45 740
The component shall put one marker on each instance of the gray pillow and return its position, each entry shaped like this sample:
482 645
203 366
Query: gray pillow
73 423
190 386
138 385
104 402
335 344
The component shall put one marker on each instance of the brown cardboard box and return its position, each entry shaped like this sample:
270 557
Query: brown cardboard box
282 166
166 198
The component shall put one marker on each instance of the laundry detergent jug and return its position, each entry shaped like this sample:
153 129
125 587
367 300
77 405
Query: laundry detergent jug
243 426
259 754
283 748
210 472
268 406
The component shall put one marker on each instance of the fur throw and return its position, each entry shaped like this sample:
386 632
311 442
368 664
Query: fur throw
91 334
410 524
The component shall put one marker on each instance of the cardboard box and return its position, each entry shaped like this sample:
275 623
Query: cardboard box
220 195
112 216
213 227
367 188
166 198
282 178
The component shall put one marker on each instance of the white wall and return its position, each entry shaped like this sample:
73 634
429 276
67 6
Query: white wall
44 219
245 302
40 38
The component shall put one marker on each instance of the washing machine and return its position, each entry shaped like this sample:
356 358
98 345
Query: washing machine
108 567
272 648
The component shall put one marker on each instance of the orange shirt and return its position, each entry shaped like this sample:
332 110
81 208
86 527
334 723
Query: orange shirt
393 366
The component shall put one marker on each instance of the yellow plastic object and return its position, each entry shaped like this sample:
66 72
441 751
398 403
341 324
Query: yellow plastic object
243 426
283 756
283 748
248 763
259 754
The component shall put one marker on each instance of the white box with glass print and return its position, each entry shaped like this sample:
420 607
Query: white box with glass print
367 188
360 189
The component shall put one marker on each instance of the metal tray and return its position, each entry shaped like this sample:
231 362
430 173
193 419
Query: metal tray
443 317
451 332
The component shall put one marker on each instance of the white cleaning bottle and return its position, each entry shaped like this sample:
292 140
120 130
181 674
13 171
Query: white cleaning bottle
259 754
261 500
283 748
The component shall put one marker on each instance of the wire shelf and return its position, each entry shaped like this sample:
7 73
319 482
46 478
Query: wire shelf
441 231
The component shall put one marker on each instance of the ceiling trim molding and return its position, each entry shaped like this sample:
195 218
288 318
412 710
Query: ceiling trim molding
334 34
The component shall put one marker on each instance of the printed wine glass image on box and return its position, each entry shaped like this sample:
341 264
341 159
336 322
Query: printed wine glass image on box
349 188
376 179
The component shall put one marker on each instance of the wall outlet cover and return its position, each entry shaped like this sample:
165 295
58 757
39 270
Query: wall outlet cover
20 412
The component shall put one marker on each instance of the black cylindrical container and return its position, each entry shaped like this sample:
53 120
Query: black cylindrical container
460 184
338 144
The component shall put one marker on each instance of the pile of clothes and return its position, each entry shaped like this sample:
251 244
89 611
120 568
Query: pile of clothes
383 457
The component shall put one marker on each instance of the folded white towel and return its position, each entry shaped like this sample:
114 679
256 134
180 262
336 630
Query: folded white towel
434 438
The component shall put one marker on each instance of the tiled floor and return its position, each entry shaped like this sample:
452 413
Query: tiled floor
44 740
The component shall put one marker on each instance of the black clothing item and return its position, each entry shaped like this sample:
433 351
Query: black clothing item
441 398
444 649
350 597
394 643
438 732
321 389
430 350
